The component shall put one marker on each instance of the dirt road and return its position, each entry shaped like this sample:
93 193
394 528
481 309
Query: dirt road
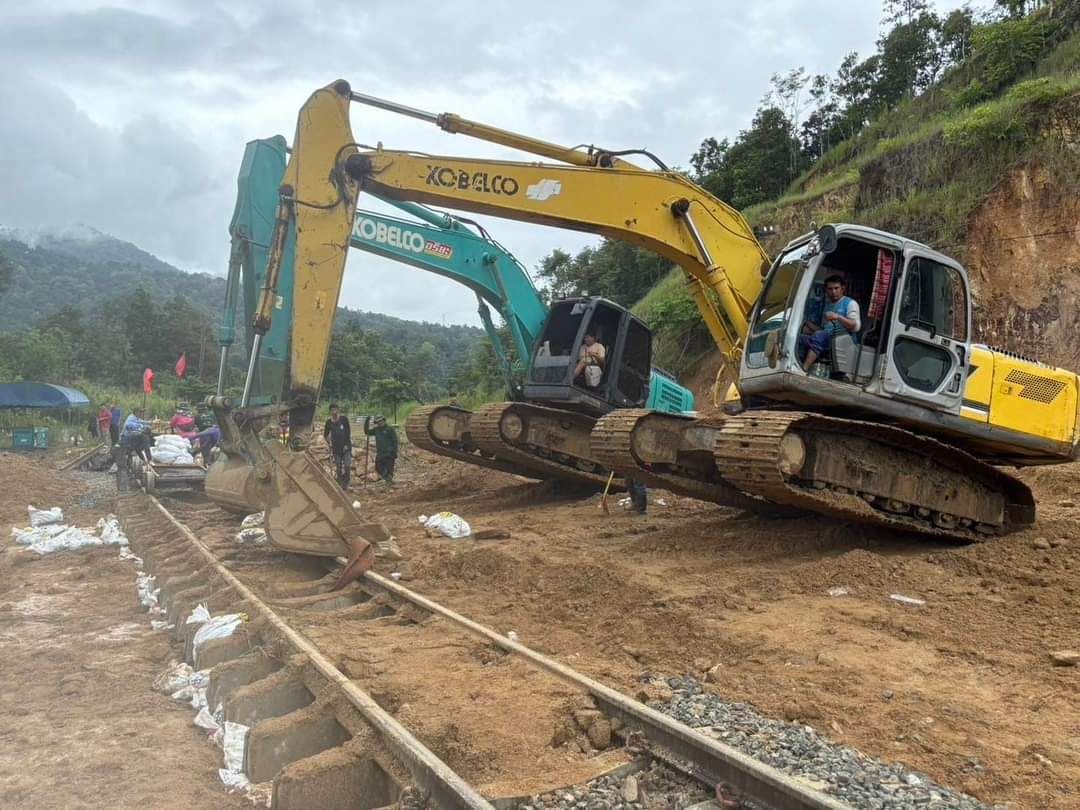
962 688
80 726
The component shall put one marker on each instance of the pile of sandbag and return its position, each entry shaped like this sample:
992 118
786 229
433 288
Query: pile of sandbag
171 449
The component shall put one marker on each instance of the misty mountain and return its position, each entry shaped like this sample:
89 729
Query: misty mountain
84 267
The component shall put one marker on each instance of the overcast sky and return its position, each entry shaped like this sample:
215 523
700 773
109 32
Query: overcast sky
131 117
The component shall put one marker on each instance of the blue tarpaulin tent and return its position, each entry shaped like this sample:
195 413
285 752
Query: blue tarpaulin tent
40 395
22 396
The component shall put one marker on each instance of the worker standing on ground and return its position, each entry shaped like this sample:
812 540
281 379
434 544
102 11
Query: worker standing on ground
639 495
114 423
339 435
386 447
136 435
104 420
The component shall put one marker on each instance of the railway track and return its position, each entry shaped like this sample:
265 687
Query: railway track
321 739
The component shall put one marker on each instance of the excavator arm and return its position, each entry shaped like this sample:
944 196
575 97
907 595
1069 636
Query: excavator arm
660 211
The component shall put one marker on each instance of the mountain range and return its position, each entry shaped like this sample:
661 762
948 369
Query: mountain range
82 266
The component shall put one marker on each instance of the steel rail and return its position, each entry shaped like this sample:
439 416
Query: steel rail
712 761
447 789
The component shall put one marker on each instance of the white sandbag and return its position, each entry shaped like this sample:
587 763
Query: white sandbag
233 746
29 536
251 537
168 455
175 677
43 517
172 440
254 521
221 626
110 532
206 720
148 591
449 524
199 615
68 540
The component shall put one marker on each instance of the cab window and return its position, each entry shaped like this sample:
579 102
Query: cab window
934 299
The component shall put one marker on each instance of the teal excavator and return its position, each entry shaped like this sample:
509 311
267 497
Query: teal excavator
454 248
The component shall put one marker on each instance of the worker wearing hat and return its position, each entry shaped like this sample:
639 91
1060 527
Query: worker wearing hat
386 447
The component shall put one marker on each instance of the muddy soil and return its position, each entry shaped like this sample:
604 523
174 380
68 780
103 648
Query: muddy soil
962 688
80 726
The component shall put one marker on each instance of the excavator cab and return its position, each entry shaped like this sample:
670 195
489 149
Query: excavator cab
558 376
911 347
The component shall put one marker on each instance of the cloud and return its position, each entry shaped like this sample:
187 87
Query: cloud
131 115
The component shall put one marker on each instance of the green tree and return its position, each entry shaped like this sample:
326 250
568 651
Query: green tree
7 272
389 393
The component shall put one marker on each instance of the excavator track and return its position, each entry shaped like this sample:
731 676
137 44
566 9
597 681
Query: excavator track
418 427
544 452
613 444
870 473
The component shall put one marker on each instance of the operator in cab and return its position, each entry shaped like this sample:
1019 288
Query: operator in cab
840 314
590 367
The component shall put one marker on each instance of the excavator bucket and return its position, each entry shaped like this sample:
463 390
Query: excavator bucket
306 511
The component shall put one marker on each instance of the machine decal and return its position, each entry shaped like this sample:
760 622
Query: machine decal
443 251
380 233
544 190
446 177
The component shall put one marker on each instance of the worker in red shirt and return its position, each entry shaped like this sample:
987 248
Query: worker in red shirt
104 419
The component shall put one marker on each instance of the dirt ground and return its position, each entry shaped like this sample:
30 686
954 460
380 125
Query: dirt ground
962 688
80 726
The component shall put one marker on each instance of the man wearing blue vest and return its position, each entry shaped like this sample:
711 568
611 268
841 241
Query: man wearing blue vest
841 314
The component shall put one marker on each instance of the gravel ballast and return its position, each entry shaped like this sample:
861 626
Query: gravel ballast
798 750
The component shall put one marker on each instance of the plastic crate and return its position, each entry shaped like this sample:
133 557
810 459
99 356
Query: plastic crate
30 438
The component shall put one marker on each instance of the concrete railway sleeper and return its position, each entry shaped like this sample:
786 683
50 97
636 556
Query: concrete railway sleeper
322 740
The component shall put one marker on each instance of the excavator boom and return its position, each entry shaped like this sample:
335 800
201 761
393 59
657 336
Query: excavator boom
660 211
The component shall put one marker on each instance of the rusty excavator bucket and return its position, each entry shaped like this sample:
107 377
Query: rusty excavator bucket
306 511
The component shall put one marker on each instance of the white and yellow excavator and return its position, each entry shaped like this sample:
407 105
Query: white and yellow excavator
902 422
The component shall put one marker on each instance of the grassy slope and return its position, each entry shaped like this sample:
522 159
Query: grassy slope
920 170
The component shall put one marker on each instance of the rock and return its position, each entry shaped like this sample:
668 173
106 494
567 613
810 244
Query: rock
827 659
1058 541
887 694
702 664
600 733
563 734
712 675
912 780
1044 761
1041 542
1065 658
586 717
796 710
630 789
1067 504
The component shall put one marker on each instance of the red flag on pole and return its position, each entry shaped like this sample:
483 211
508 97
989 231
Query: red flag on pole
148 381
181 366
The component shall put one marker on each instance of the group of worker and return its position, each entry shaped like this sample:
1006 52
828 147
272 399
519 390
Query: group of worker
136 432
338 435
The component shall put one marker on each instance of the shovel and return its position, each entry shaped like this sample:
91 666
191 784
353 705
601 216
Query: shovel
603 498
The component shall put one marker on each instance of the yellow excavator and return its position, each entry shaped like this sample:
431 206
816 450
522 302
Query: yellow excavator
901 422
